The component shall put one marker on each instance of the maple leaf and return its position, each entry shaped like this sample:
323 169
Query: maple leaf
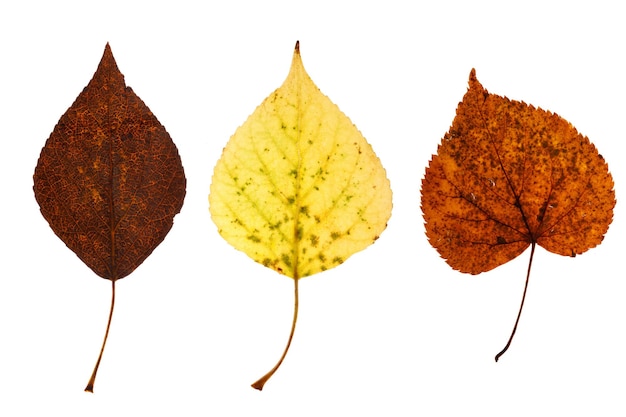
507 176
298 188
109 179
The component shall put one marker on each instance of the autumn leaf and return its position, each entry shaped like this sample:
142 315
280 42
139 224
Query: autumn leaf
109 179
298 188
507 176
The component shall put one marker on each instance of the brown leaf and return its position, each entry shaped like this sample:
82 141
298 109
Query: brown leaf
508 175
109 179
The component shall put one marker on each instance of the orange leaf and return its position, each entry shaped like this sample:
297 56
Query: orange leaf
508 175
109 179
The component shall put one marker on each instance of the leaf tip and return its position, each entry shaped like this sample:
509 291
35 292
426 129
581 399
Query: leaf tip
297 49
107 50
107 56
473 81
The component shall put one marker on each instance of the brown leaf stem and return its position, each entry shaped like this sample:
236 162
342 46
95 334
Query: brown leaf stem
261 382
519 314
92 380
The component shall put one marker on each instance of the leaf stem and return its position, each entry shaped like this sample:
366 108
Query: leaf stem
519 314
261 382
92 380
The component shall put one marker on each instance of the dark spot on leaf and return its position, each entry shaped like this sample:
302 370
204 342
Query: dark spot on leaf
275 225
286 259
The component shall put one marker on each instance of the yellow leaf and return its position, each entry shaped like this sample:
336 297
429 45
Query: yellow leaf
298 188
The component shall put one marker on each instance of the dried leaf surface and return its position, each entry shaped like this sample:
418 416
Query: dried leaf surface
298 188
508 175
109 179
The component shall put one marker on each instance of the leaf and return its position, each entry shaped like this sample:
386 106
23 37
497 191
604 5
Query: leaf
507 176
298 188
109 179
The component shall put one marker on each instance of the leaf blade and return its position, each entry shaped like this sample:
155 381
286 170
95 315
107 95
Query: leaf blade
109 179
281 192
508 174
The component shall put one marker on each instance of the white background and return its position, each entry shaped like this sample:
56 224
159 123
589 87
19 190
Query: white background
393 331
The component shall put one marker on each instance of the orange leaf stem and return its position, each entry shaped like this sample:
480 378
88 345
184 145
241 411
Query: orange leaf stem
92 380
